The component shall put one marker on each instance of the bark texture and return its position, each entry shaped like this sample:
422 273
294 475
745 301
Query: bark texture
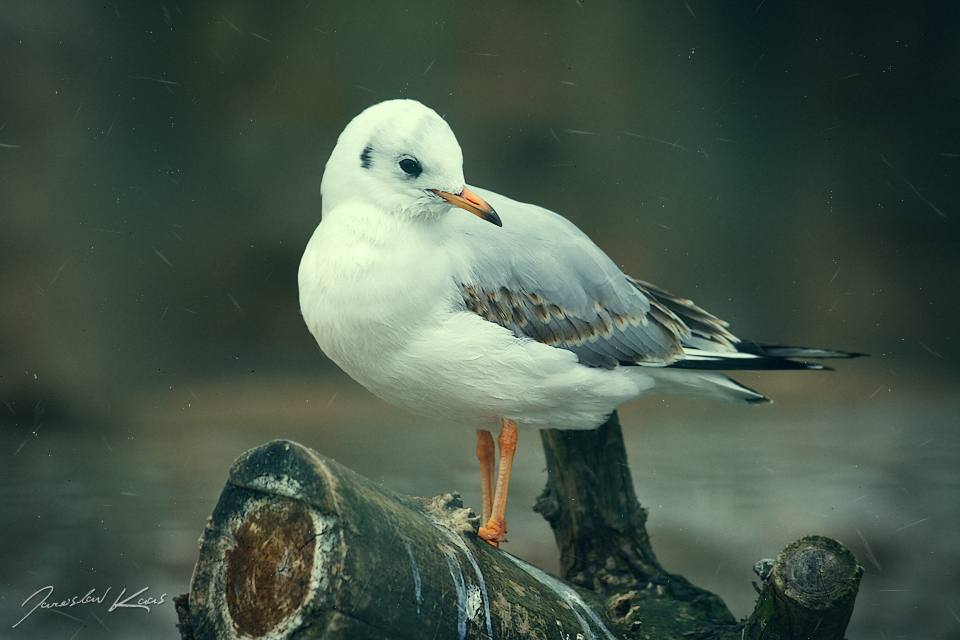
301 547
601 531
809 593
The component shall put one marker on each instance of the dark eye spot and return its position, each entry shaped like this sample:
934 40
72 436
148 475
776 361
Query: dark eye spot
411 167
365 159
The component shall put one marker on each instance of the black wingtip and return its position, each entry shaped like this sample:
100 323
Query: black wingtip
760 363
770 350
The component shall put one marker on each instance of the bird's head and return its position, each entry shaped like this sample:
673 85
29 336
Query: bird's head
403 158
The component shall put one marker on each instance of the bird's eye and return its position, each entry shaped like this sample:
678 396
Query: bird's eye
411 167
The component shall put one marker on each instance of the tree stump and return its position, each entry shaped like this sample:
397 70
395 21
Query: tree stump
809 591
301 547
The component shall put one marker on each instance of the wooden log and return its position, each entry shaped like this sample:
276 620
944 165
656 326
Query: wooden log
597 520
299 546
601 532
590 503
808 592
600 529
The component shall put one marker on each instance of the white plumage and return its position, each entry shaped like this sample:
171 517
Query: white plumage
555 335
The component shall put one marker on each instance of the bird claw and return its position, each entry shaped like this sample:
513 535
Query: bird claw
493 532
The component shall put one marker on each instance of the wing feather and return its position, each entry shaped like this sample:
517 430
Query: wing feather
544 279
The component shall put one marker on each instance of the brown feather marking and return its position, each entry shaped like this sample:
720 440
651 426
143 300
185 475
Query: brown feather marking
503 307
696 319
509 298
605 327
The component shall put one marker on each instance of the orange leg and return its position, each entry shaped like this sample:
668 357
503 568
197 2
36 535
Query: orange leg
496 528
485 453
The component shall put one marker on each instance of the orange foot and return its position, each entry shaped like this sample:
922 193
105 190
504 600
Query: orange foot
494 531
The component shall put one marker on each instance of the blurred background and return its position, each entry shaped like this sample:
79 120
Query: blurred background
794 168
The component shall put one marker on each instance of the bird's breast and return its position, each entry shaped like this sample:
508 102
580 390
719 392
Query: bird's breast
364 299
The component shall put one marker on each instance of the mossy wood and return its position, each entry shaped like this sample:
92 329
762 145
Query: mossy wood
301 547
809 590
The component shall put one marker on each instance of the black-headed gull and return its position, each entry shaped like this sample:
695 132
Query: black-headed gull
512 314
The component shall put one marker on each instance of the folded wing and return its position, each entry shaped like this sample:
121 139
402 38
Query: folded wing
544 279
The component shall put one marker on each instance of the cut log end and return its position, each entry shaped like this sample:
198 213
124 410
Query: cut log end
271 567
301 547
809 593
817 573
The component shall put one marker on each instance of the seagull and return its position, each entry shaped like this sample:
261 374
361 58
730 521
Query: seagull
509 315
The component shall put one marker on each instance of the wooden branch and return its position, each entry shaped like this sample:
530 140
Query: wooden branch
590 503
808 592
600 526
299 546
600 529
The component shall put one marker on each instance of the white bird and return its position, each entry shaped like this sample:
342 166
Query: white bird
512 314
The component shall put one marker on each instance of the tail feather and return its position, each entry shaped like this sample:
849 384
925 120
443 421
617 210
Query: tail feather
783 351
703 384
698 376
755 356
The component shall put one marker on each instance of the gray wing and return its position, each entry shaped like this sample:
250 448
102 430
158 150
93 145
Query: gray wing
544 279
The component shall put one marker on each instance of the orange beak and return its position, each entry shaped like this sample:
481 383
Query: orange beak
471 202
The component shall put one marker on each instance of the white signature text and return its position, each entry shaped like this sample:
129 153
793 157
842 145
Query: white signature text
90 598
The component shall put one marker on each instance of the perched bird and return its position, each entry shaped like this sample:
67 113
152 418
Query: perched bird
511 314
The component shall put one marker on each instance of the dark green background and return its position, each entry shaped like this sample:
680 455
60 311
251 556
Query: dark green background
792 167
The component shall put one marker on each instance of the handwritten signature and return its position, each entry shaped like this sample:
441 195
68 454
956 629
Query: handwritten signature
90 598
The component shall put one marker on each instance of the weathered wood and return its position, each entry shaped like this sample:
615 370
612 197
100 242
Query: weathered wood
590 503
601 532
600 529
808 593
299 546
